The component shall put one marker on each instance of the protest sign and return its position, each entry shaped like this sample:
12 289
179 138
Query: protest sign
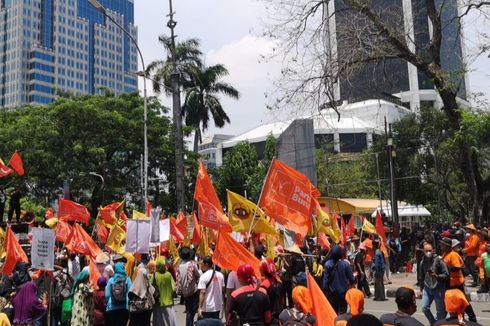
42 252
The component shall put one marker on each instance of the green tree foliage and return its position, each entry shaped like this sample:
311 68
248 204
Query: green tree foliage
73 136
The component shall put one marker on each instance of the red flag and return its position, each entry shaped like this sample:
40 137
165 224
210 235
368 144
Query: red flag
196 234
16 163
102 232
71 211
323 240
4 170
94 274
108 213
148 208
289 197
177 236
323 311
351 227
380 228
63 231
229 254
181 223
82 243
15 253
343 231
210 211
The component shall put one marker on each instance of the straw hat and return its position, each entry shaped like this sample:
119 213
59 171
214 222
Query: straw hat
470 227
294 249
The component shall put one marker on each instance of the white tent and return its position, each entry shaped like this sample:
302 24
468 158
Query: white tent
405 210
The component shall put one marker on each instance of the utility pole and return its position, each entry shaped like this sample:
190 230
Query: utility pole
379 185
391 155
177 118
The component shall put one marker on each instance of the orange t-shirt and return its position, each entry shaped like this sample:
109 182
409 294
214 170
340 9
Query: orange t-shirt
472 245
369 250
453 259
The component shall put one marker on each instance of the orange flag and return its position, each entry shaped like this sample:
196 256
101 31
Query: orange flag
63 231
196 234
210 211
15 253
71 211
94 274
351 227
175 233
16 163
102 232
4 170
229 254
108 213
181 223
380 228
82 243
323 240
323 311
343 230
289 197
148 208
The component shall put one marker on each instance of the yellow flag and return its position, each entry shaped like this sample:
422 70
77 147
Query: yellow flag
172 249
241 213
203 249
3 253
327 224
137 215
270 240
115 239
368 227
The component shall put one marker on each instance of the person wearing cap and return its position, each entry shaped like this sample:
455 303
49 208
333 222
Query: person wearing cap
272 284
355 300
249 303
407 306
455 265
337 279
301 313
378 269
470 252
456 303
433 277
362 283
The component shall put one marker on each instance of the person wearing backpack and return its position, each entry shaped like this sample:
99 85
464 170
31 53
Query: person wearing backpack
116 297
300 314
187 279
337 279
272 284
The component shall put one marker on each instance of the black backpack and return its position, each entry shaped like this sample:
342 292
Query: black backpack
294 321
118 291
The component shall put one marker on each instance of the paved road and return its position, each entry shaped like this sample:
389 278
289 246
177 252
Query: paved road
378 308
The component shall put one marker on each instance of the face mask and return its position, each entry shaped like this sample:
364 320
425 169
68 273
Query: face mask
428 254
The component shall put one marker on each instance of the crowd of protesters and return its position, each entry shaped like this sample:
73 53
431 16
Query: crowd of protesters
141 289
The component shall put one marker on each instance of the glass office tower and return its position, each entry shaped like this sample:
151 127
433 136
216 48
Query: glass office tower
66 45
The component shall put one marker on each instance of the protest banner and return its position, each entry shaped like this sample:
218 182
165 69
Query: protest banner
42 251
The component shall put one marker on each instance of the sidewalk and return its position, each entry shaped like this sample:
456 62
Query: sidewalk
409 279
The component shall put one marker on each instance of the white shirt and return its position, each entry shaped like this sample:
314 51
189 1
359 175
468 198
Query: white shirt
232 283
214 293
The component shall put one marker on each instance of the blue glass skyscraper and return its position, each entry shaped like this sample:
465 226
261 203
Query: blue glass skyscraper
46 45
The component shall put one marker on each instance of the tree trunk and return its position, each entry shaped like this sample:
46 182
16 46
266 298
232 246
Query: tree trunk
197 138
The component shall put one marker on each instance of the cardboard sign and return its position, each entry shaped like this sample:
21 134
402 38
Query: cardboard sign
42 252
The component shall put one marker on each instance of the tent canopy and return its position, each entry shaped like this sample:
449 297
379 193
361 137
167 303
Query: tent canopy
352 205
407 210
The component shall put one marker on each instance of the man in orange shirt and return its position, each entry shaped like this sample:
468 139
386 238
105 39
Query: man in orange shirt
455 265
368 257
470 252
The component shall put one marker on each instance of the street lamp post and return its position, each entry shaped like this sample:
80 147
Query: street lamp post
177 118
103 183
103 10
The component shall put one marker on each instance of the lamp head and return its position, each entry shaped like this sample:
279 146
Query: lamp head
97 5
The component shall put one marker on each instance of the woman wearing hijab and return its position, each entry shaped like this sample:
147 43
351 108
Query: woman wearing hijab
99 302
303 306
141 300
4 319
83 301
27 306
163 312
117 313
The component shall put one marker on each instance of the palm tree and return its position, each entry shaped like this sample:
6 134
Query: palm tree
187 56
202 102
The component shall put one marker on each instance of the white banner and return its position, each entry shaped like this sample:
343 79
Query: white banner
155 225
42 251
165 229
138 236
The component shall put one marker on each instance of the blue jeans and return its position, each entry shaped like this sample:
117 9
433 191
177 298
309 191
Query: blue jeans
437 296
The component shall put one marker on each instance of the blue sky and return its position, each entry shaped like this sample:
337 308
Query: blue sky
228 32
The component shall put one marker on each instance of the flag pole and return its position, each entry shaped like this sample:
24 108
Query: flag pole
260 197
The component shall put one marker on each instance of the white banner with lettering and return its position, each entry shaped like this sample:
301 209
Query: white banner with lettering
42 251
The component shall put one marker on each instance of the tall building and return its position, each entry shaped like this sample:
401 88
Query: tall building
66 45
392 78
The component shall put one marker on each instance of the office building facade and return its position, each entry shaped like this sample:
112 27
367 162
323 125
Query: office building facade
65 45
392 78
